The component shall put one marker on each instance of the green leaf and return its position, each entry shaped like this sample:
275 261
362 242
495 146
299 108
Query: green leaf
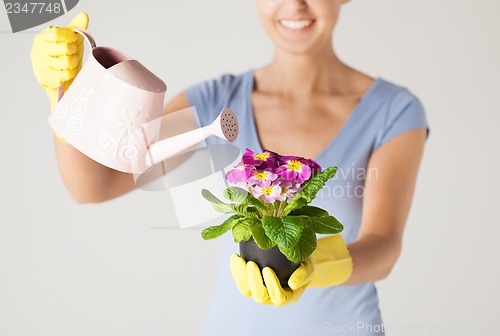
224 208
310 190
217 204
244 210
325 225
210 197
310 211
236 194
234 208
256 203
304 247
284 231
241 231
218 230
260 237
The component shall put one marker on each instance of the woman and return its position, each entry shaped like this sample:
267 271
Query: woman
305 102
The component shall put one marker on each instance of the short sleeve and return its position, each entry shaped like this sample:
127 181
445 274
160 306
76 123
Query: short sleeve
210 97
405 113
201 97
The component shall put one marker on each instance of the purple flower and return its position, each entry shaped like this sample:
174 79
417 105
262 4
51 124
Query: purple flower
294 169
272 178
268 194
315 167
265 160
262 178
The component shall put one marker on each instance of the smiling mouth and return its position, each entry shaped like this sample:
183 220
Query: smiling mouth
296 24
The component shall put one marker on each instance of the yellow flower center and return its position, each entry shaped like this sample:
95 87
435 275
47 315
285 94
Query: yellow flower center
261 176
262 156
294 165
268 191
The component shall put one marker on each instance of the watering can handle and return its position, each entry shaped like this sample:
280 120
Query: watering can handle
91 41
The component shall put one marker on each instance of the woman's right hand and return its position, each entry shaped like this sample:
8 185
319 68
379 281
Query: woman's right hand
57 55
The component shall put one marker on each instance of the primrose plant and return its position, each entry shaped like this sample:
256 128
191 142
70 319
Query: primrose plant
269 203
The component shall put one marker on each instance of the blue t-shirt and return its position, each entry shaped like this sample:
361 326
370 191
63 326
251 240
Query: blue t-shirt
385 111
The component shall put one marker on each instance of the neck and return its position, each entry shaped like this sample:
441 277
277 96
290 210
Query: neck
302 74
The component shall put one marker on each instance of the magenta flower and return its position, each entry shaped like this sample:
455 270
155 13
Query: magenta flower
294 170
271 178
313 164
265 160
262 178
268 194
239 174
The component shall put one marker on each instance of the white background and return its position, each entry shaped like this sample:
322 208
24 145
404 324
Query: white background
68 269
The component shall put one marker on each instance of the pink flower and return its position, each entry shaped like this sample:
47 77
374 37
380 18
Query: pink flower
269 194
239 174
265 160
288 190
294 169
262 178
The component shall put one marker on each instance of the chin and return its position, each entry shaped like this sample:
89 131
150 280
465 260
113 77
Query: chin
300 45
296 48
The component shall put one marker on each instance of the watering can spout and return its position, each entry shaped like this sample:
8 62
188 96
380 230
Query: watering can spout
225 127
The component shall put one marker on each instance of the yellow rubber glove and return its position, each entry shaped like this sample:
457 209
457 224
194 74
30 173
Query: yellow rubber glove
330 264
265 288
57 55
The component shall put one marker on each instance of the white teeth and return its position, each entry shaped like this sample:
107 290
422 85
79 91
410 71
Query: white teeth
299 24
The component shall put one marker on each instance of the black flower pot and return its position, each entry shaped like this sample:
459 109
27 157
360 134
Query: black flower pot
272 257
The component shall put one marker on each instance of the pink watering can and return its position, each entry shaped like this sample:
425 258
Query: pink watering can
113 110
